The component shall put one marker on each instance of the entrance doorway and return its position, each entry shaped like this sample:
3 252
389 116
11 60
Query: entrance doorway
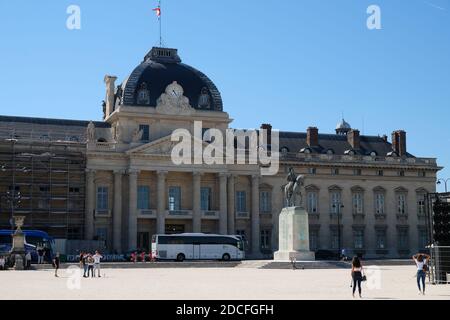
174 228
143 241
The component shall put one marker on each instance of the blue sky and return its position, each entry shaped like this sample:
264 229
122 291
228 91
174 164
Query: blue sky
292 63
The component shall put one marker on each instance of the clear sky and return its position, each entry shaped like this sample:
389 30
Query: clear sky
291 63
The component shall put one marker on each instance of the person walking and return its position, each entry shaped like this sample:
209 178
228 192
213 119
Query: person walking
90 263
28 260
83 257
421 261
40 252
97 258
56 262
2 263
357 275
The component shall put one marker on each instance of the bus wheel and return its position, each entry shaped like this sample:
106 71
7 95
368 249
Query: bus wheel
226 257
180 257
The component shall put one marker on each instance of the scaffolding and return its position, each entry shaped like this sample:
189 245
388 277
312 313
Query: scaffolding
440 253
47 169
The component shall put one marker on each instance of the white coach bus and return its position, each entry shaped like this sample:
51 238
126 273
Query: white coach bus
197 246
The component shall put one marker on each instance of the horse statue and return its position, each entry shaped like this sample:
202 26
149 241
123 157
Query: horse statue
292 190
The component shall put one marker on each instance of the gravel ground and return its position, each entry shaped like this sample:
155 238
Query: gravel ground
386 282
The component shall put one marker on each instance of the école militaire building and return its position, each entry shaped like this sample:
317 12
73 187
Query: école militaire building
114 180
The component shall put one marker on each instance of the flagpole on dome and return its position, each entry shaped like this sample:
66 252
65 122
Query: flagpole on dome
158 14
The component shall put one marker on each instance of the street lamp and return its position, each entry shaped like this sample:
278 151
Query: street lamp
439 181
339 206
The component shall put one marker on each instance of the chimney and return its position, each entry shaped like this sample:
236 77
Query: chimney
399 142
268 128
354 139
110 86
312 137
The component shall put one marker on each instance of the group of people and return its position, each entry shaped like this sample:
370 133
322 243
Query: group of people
2 263
421 260
90 264
26 262
142 256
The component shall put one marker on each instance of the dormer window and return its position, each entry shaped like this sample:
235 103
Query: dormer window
330 151
373 154
143 95
284 151
306 150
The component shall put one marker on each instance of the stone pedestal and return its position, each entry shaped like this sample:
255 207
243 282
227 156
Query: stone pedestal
294 236
18 250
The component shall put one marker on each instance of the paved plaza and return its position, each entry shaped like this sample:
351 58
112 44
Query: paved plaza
245 282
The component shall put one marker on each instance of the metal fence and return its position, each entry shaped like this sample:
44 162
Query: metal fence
440 265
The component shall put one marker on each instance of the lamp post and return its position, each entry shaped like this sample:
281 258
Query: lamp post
338 206
439 181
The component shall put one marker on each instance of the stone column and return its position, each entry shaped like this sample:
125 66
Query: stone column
132 214
90 205
256 250
117 214
161 203
196 207
231 205
223 203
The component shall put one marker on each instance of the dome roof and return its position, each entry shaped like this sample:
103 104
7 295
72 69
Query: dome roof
343 125
160 68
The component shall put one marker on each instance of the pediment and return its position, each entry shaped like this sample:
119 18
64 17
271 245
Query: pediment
161 147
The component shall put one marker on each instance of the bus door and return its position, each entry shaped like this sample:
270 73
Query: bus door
196 251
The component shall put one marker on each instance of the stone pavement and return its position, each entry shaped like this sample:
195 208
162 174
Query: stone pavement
248 283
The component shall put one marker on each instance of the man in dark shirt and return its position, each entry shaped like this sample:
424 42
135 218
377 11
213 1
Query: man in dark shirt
56 262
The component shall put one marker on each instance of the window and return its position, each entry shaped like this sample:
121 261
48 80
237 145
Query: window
422 174
102 234
358 203
265 239
205 202
401 173
403 239
421 204
241 201
143 94
312 170
334 171
74 234
335 202
380 173
357 172
265 201
74 190
379 203
44 200
358 239
381 239
284 151
423 238
102 198
401 204
143 198
334 239
174 198
313 239
312 203
145 132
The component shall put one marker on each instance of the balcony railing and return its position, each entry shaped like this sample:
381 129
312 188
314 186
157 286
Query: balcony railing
210 214
179 213
242 215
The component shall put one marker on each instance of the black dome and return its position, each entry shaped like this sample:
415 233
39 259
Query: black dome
160 68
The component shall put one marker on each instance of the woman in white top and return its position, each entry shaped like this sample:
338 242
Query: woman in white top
357 275
421 261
